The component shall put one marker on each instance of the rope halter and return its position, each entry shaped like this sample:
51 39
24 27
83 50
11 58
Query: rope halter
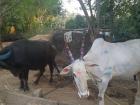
68 51
68 39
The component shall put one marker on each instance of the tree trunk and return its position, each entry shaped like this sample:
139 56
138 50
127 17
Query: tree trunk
87 17
91 14
98 13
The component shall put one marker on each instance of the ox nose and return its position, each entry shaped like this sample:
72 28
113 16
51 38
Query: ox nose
83 95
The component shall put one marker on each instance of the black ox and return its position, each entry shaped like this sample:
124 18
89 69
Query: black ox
24 55
75 45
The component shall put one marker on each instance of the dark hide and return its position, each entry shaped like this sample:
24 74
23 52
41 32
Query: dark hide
27 55
58 40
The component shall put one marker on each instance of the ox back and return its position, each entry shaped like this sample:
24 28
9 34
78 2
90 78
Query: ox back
32 54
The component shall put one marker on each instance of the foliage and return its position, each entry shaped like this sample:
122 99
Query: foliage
121 16
135 11
28 16
77 22
126 20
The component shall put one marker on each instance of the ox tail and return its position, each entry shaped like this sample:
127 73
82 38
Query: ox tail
5 55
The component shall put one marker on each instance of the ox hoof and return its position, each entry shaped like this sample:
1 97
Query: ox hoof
21 87
24 88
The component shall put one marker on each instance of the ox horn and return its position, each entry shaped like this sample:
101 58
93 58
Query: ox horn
5 56
82 48
67 49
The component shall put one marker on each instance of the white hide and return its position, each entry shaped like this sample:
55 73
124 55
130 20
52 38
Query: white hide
107 60
113 60
79 74
80 77
68 36
123 58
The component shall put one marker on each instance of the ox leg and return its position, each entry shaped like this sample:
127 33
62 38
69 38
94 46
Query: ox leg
40 74
138 88
102 86
21 81
58 71
24 80
51 72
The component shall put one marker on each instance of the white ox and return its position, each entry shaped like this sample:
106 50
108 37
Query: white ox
102 62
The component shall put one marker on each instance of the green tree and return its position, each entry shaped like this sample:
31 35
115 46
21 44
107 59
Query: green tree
135 11
77 22
121 16
28 16
126 19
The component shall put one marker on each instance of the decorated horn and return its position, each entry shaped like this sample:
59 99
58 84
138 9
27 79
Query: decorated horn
67 49
82 47
68 39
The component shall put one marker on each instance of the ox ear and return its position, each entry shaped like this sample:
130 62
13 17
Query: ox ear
91 64
66 70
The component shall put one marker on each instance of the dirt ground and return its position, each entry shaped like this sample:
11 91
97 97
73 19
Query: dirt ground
119 92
